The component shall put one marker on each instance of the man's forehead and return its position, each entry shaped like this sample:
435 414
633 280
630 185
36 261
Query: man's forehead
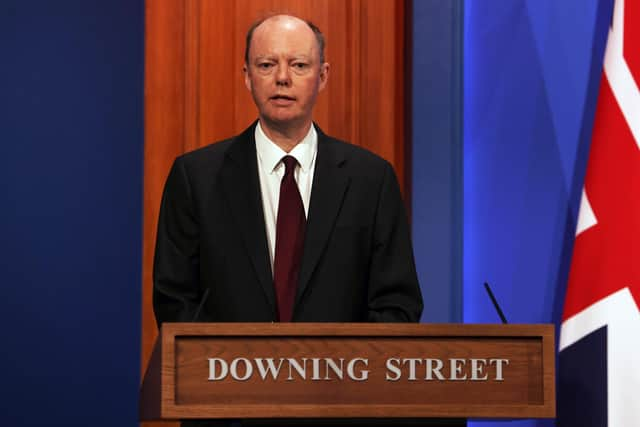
281 29
287 22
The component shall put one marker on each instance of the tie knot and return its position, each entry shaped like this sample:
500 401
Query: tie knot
290 163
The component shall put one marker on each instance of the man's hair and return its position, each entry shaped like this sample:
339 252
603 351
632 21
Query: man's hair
256 24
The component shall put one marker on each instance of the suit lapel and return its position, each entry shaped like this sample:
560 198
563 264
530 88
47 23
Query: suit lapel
330 182
242 190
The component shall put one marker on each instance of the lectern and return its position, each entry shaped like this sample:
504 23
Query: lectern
323 370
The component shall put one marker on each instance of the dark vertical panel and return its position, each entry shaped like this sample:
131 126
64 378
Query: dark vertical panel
70 211
437 155
582 378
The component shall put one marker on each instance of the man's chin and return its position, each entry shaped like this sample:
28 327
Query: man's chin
283 120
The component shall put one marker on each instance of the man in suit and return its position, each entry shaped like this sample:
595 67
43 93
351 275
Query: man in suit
282 222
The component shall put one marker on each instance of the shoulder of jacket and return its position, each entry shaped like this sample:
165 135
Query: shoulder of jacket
357 155
205 154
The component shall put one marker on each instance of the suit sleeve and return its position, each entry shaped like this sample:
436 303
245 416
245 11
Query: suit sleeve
176 261
394 293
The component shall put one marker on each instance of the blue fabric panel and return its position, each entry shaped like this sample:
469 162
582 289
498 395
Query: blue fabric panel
437 156
71 126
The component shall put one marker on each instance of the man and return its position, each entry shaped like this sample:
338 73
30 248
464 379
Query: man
282 222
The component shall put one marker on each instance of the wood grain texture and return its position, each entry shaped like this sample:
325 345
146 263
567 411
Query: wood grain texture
195 93
528 388
165 100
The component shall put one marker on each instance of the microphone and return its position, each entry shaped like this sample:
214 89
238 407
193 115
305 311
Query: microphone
495 303
202 301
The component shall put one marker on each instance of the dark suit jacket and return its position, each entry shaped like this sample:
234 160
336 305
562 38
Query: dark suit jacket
357 263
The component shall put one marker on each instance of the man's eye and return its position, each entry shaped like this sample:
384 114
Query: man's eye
265 65
300 65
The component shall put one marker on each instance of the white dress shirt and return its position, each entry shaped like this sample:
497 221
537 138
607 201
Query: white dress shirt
271 171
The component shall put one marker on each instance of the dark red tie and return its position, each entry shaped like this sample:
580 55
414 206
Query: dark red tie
289 239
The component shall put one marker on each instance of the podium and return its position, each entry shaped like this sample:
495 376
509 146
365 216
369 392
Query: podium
348 370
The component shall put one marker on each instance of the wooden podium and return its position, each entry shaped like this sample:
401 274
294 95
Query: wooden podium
328 370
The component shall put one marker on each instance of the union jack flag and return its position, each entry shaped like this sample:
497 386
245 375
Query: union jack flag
599 362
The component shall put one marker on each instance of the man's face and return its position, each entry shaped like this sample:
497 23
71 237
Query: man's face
284 73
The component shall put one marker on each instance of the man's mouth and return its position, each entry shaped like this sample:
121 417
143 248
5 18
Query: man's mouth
283 98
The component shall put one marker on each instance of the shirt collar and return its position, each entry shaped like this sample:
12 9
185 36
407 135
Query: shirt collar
270 154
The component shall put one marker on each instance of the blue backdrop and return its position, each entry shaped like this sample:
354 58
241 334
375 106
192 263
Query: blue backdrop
71 131
531 74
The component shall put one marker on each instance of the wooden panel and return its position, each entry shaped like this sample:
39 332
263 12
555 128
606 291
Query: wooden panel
195 93
525 386
193 387
165 129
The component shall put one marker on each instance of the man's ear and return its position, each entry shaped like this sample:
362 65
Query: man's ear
247 80
324 75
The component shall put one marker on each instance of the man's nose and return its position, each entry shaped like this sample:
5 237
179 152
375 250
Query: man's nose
283 78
